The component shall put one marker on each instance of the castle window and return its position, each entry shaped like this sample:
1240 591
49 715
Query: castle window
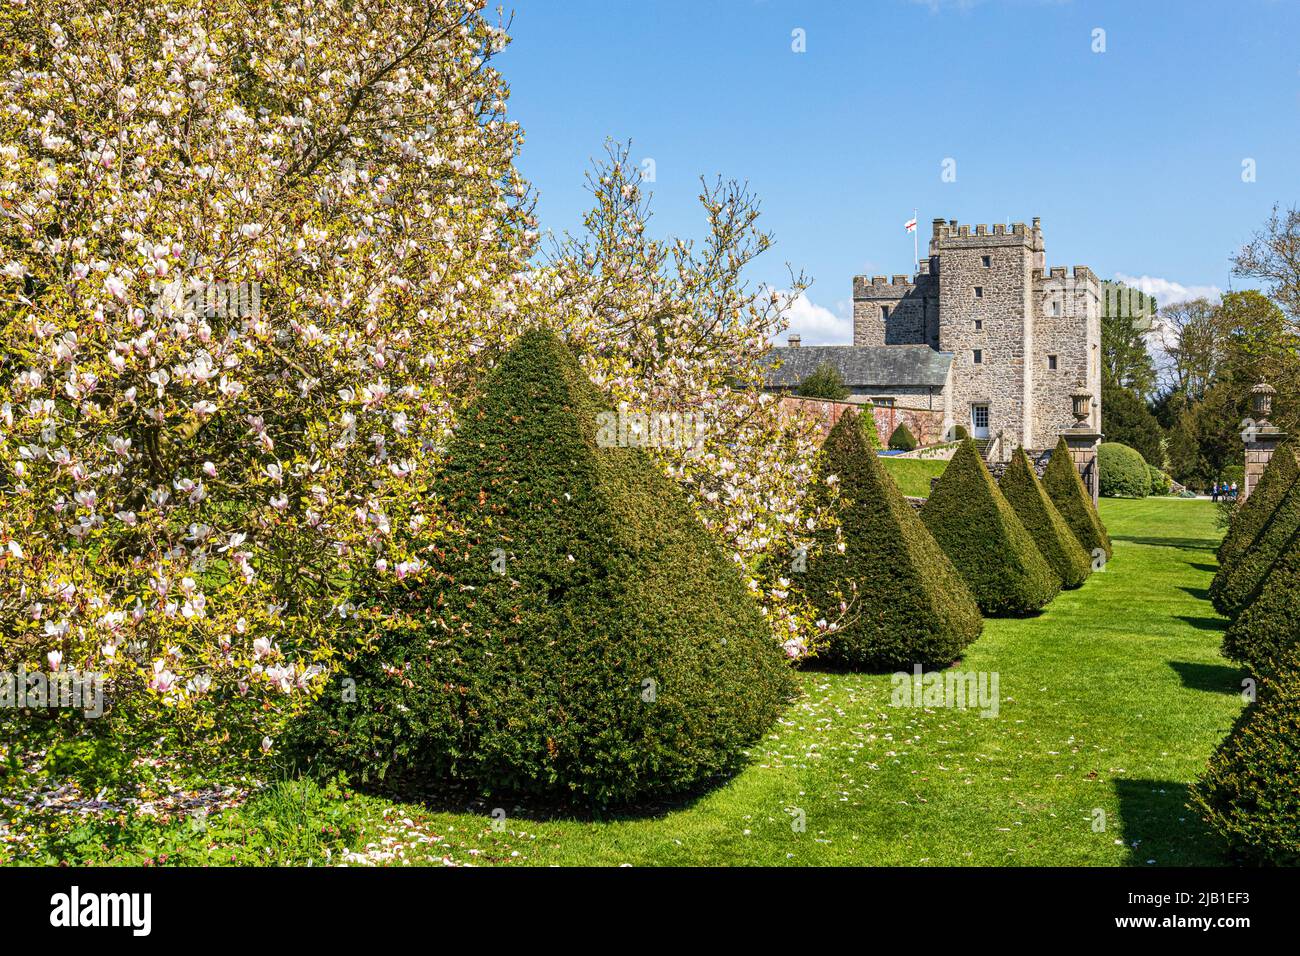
882 401
884 313
986 261
979 325
1051 362
979 292
977 356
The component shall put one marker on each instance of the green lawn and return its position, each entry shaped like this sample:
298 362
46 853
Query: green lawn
1111 701
912 475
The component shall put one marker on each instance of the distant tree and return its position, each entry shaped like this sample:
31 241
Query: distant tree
824 382
1273 255
1126 322
1192 341
1261 344
1125 418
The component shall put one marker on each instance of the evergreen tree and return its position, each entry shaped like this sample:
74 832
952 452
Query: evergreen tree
907 603
981 534
1024 492
1063 485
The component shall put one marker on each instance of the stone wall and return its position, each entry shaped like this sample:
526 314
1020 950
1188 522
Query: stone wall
913 310
1002 312
1067 324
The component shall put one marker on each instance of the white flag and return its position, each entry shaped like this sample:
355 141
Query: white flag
910 225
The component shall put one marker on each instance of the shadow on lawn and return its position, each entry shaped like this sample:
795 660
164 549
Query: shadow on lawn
1159 829
1202 623
1201 594
454 799
1183 544
1215 678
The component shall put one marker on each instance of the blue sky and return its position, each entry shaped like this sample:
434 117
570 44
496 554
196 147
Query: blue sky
1133 157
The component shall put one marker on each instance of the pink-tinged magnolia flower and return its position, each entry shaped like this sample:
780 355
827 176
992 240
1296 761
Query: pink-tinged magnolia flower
163 680
55 658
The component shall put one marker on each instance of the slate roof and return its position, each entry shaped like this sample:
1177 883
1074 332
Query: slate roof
862 365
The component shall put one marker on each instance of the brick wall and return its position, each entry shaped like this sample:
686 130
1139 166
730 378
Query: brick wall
926 425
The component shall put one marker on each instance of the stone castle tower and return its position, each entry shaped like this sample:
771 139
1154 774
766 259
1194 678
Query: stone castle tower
1023 337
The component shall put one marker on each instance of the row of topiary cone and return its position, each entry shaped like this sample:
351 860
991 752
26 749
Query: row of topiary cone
1250 792
909 589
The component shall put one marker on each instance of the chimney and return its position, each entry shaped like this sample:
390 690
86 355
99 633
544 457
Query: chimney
794 340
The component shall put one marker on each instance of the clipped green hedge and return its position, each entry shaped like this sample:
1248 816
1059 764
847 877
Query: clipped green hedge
1236 583
585 638
1268 627
1250 793
902 438
1250 516
1063 485
1057 543
907 603
1122 472
981 534
960 432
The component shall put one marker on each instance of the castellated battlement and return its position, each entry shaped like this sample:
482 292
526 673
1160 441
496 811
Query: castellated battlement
1078 273
946 230
896 286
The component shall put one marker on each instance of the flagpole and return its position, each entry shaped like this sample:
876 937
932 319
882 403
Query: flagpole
916 249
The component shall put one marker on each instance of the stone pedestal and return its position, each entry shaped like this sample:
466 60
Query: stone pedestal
1260 445
1260 438
1083 443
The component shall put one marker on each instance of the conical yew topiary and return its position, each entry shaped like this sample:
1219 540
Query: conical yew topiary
1250 517
1063 485
1235 585
981 534
907 603
587 639
1268 627
1024 492
1250 792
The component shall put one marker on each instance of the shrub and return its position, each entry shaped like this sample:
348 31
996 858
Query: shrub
902 438
1268 625
1063 485
1159 483
960 432
908 604
1057 543
825 381
589 640
1236 583
1250 516
1250 792
867 427
981 534
1122 471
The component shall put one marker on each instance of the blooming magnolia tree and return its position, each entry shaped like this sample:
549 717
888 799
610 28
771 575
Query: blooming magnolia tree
189 484
254 256
672 325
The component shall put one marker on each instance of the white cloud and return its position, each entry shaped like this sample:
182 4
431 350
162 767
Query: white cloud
817 324
1166 290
